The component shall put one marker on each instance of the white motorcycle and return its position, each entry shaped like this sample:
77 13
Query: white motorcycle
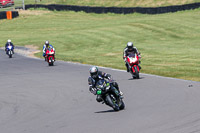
9 51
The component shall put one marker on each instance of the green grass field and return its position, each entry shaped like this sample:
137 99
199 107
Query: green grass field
117 3
169 43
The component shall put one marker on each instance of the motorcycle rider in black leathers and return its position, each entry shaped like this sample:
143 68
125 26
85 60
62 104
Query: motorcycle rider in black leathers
128 50
7 44
95 75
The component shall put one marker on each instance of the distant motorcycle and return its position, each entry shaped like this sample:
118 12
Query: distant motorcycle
109 98
133 61
9 51
50 56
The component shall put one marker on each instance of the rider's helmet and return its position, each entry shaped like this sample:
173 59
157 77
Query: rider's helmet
94 72
130 45
9 41
47 43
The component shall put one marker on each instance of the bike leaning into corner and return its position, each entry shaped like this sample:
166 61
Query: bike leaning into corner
109 95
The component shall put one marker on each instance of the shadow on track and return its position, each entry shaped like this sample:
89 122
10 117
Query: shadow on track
106 111
136 79
52 66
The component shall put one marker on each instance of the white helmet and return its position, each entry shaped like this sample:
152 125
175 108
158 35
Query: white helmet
129 44
94 72
9 41
47 42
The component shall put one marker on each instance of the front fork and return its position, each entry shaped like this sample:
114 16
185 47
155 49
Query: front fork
133 68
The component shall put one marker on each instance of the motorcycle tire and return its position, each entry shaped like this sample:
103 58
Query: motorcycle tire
122 105
10 55
136 72
51 63
110 102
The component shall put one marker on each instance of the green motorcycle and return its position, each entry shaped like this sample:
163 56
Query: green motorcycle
109 95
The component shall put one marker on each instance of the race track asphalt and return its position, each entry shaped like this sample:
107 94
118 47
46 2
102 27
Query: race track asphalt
36 98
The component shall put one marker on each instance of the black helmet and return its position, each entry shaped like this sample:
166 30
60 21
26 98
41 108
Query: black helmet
130 45
94 72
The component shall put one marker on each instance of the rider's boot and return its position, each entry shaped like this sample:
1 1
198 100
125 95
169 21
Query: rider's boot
115 84
121 95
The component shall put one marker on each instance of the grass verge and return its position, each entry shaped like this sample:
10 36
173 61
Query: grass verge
169 43
116 3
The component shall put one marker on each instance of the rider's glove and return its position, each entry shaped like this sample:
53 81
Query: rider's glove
93 90
110 80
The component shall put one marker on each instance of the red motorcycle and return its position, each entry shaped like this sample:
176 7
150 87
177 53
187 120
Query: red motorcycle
50 56
133 62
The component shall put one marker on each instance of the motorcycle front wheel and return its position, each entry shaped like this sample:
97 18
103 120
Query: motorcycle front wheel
136 73
121 105
10 56
112 102
51 63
